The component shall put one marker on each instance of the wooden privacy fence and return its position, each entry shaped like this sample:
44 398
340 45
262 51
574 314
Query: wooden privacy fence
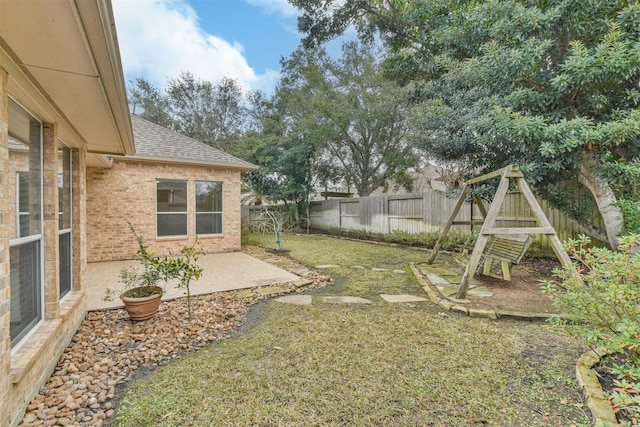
421 212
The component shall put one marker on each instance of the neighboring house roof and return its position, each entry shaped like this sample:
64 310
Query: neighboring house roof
64 66
159 144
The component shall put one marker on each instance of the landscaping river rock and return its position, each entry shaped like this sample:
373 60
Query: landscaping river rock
109 349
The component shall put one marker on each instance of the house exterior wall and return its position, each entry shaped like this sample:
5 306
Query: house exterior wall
127 191
25 367
5 339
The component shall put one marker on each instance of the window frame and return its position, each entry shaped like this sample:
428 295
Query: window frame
65 151
185 213
19 213
15 342
213 213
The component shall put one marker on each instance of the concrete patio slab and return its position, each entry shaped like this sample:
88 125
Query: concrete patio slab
222 272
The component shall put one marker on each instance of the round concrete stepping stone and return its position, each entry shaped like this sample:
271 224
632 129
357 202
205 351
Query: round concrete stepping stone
357 267
295 299
346 300
327 266
379 269
399 271
402 298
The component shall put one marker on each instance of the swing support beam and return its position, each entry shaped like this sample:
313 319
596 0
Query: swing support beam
489 220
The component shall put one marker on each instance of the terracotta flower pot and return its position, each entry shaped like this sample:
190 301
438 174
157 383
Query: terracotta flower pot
142 308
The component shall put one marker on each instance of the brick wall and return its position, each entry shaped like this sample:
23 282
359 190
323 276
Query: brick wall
27 366
5 339
127 191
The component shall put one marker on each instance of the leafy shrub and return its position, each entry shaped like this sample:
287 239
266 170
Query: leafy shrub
600 294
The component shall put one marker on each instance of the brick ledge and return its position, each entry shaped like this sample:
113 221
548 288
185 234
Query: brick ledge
34 346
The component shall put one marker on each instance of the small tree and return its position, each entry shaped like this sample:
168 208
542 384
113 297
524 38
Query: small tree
184 267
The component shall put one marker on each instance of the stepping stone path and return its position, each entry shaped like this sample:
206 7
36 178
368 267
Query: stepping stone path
448 282
307 299
402 298
359 267
295 299
346 299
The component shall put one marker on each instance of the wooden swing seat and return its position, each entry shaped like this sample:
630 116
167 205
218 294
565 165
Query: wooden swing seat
505 251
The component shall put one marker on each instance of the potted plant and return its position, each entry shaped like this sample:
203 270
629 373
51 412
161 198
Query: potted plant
140 292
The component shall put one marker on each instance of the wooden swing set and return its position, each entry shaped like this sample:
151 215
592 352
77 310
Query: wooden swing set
505 246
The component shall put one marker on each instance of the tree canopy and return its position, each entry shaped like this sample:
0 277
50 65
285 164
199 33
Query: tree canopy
359 118
213 113
551 85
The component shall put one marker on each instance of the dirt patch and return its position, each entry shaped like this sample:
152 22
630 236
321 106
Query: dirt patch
523 292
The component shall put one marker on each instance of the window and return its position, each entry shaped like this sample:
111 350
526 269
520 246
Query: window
25 246
22 204
65 249
171 196
208 207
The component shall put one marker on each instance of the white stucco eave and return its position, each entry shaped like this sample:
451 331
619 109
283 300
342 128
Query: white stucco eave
64 67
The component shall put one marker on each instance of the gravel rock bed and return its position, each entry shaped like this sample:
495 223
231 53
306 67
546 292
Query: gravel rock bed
109 349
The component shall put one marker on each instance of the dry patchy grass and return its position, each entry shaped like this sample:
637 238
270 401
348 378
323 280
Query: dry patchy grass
365 365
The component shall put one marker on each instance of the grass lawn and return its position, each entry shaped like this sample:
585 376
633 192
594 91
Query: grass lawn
366 365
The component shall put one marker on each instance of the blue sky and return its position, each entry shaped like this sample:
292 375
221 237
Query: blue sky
241 39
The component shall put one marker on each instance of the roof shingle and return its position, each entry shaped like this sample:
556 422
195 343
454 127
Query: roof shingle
154 142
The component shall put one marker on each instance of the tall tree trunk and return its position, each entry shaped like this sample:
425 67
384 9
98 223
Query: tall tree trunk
604 197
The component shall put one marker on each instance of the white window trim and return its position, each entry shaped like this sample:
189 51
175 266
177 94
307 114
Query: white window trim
70 229
22 240
221 212
186 213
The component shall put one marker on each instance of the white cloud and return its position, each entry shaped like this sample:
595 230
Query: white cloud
280 7
161 38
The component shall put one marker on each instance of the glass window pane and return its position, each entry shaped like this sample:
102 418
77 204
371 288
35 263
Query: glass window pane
25 155
172 224
172 196
64 188
22 193
26 296
25 258
208 196
64 241
208 223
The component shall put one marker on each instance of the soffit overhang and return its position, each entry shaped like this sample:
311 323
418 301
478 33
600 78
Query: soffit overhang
64 67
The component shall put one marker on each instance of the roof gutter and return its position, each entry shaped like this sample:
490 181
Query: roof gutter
133 159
